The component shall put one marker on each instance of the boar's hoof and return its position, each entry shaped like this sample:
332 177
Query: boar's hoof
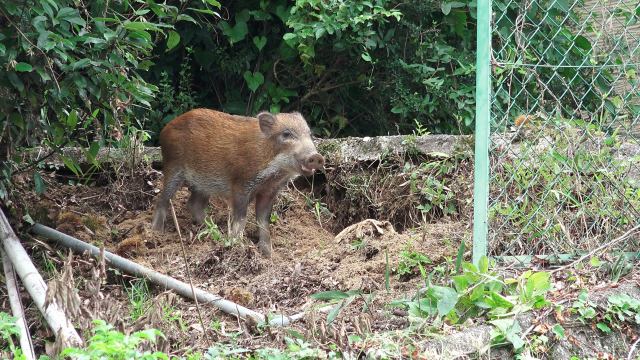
157 226
265 249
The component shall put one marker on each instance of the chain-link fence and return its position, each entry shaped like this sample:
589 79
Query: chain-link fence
564 148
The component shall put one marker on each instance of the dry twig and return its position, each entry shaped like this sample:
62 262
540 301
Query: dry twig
600 248
186 266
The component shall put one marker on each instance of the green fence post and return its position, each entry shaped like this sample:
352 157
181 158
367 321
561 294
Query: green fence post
483 100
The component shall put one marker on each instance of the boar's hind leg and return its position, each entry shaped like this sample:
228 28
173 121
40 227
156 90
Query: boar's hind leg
197 203
172 182
238 216
264 205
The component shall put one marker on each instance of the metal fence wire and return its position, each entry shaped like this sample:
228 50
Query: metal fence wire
564 149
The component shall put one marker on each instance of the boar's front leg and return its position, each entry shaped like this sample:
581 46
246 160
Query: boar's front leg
238 216
197 203
264 205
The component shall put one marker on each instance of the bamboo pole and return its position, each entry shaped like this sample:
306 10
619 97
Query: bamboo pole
165 281
16 307
36 287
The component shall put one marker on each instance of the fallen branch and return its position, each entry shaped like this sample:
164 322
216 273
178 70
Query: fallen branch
63 329
165 281
16 307
621 238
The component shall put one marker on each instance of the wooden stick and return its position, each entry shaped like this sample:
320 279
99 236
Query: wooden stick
600 248
16 307
36 287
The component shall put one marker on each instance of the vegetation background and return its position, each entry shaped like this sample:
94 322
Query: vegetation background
95 73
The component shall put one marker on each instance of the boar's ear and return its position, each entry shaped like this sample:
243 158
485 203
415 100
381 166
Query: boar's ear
266 120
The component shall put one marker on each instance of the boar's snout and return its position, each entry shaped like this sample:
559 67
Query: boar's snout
312 163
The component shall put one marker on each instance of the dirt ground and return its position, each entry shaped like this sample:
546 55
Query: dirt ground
306 259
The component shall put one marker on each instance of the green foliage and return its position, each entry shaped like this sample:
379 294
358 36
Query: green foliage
107 343
73 73
364 67
172 100
8 333
620 309
478 292
342 299
585 309
9 330
410 262
583 70
354 26
212 232
139 297
432 181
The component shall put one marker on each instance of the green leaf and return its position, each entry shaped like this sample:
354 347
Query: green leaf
330 295
582 42
320 32
205 11
235 33
483 265
288 36
588 313
15 81
447 299
335 311
538 284
499 301
260 42
23 67
141 26
93 152
29 221
562 5
603 327
366 57
172 40
40 186
185 17
80 64
558 331
71 165
213 3
254 80
71 16
511 330
514 338
447 6
459 257
595 262
72 119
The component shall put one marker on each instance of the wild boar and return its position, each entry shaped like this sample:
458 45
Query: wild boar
240 159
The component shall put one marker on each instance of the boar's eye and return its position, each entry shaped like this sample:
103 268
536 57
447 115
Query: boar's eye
288 134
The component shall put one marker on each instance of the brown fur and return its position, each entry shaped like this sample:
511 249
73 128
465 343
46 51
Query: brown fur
234 157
